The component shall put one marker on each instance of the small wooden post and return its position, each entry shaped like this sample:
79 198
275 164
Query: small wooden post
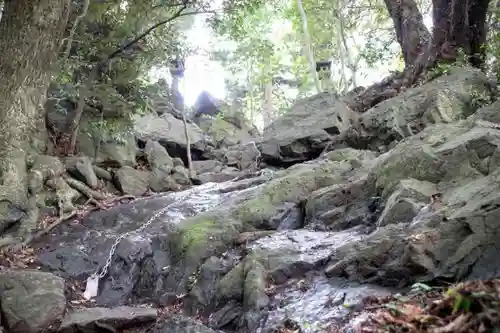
324 70
177 72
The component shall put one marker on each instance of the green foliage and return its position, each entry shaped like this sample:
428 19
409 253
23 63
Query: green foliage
461 300
439 70
257 42
260 41
250 50
110 129
107 26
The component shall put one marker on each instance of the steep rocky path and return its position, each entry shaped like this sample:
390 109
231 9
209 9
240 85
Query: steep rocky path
303 248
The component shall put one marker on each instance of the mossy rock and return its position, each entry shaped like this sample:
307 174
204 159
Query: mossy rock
203 235
222 130
113 143
447 155
407 161
446 99
231 285
210 233
294 186
347 154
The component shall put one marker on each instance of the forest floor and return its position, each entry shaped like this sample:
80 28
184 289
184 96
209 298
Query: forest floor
470 307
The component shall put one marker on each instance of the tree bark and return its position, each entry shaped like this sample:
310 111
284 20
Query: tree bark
411 32
458 26
30 37
308 46
268 109
73 119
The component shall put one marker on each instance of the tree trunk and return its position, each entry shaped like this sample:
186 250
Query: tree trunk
308 46
30 36
350 61
411 32
458 26
74 118
268 110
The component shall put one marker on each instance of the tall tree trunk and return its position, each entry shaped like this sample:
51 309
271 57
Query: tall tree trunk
308 46
268 110
411 32
341 52
30 37
350 61
458 25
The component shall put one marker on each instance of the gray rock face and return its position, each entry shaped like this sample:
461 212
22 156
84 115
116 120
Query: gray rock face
81 168
169 132
325 121
291 248
180 324
117 149
158 157
447 99
317 302
207 166
31 301
118 318
304 132
132 181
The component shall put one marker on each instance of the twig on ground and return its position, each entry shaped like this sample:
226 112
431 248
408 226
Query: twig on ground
66 217
123 197
47 229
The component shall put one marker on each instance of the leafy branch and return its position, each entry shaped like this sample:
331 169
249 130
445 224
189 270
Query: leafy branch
73 121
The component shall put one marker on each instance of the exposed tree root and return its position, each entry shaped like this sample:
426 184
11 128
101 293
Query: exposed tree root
99 200
376 93
64 217
30 239
87 191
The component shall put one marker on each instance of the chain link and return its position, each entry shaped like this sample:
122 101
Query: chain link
102 272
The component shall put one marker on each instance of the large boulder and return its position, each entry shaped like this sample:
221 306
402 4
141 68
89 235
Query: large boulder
221 122
419 236
169 132
446 99
304 131
114 146
225 131
324 121
30 300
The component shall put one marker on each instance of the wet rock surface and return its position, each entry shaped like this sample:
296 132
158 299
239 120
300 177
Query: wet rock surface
315 302
116 318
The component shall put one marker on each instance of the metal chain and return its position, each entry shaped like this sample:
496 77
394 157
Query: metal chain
102 272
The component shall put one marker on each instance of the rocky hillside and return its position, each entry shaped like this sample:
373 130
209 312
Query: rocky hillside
288 232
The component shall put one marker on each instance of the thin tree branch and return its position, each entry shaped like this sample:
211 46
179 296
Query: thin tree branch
80 17
74 124
124 47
